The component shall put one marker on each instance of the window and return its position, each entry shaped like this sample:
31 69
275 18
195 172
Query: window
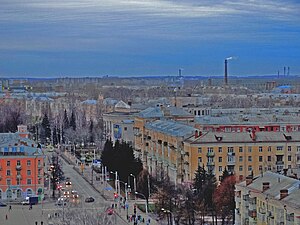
269 158
220 149
28 172
18 172
220 169
298 148
241 158
125 128
279 148
289 158
260 149
240 149
289 148
249 168
249 149
8 173
18 163
199 160
210 149
269 149
8 163
269 167
199 150
240 168
28 181
249 158
289 166
260 158
260 168
230 149
8 182
39 162
18 182
220 159
28 162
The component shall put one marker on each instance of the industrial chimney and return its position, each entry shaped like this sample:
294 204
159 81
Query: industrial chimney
225 78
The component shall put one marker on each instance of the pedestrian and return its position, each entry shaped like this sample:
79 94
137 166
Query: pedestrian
10 207
42 222
6 217
36 223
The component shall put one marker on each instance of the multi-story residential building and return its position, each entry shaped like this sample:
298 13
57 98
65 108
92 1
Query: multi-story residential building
269 198
22 166
243 153
245 122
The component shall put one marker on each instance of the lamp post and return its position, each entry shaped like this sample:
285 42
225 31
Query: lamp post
284 215
146 205
171 215
117 183
134 184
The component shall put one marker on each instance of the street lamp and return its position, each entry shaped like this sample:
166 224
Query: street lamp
134 184
171 215
146 205
117 183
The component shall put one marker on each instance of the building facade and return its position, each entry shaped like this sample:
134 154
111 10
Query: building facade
270 198
21 169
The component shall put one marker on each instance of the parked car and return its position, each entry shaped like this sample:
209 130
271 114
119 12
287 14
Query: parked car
2 204
89 199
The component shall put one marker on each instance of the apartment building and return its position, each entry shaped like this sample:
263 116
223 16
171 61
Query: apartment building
269 198
21 168
247 122
242 153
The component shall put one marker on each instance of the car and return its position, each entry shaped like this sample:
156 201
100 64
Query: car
89 199
68 183
75 194
61 201
110 211
2 204
66 194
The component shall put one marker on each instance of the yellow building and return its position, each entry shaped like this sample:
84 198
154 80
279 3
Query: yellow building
242 153
268 199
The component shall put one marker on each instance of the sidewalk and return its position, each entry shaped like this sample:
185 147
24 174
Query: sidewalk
107 192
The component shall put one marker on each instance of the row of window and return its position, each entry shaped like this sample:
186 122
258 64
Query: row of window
28 181
19 163
241 149
250 168
8 172
250 159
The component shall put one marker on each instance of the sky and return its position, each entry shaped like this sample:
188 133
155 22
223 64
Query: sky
56 38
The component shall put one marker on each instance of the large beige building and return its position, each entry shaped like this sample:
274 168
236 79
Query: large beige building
268 199
184 148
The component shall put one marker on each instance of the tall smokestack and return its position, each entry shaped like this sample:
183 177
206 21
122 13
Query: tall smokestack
226 78
288 71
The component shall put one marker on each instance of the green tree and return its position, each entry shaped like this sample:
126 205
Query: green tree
66 121
225 174
73 121
46 130
91 132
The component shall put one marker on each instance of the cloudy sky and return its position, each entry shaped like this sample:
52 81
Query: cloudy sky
56 38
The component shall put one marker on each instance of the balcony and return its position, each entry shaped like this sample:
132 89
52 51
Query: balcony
210 154
19 177
18 167
279 163
210 163
230 153
231 162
